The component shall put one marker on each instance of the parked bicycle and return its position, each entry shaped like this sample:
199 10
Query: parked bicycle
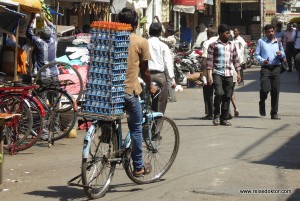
21 131
104 148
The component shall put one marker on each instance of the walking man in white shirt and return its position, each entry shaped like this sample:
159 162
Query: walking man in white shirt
289 40
240 45
160 66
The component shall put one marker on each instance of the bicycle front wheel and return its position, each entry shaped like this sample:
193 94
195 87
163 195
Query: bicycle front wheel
97 169
160 151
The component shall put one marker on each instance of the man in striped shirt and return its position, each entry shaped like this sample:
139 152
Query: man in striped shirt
222 57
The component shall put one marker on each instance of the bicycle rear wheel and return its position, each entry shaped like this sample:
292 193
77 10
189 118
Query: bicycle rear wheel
61 115
160 152
97 170
63 65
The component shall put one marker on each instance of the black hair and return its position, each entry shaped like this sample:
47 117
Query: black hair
212 31
223 28
129 16
279 25
155 29
268 27
45 34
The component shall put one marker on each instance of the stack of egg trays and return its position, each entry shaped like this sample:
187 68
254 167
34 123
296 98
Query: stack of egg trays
104 93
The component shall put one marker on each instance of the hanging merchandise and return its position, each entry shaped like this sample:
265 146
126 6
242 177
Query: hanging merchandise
108 51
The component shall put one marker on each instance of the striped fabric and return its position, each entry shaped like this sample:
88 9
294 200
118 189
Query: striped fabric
222 58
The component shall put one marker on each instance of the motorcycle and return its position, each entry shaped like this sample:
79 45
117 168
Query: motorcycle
186 63
250 54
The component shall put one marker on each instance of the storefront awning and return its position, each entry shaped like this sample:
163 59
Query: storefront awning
184 9
63 29
30 5
239 1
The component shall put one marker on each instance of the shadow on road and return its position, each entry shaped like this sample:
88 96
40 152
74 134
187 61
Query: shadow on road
62 193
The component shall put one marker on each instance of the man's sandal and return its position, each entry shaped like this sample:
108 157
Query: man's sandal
146 169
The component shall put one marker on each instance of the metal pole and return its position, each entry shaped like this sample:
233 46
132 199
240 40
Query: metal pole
2 122
57 10
16 50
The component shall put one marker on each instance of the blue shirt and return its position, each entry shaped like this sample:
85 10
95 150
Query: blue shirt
185 35
266 50
44 51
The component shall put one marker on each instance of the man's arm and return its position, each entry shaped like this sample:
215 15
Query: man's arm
145 74
29 32
257 53
209 63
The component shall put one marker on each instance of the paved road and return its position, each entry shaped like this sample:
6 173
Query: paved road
213 163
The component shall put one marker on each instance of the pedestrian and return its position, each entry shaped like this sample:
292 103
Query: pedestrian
278 32
137 62
268 52
208 89
297 44
221 59
44 43
289 48
161 67
241 45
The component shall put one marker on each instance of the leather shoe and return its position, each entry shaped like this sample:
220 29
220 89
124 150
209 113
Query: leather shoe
275 116
262 110
207 117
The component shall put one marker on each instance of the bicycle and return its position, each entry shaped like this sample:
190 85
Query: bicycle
19 132
60 107
104 148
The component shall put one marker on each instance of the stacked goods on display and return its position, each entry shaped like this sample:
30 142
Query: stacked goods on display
108 49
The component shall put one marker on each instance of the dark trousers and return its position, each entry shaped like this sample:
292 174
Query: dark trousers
223 90
290 49
208 94
270 82
159 104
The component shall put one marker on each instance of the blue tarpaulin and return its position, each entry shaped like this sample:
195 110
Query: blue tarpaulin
12 18
53 12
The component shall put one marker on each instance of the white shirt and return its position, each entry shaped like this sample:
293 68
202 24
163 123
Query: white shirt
206 44
297 39
161 59
240 46
202 36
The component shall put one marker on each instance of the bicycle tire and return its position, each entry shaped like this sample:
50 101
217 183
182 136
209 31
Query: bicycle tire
38 76
103 141
166 149
63 109
36 131
17 128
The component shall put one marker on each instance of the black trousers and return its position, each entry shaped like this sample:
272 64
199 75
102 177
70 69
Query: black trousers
270 82
208 94
223 91
290 49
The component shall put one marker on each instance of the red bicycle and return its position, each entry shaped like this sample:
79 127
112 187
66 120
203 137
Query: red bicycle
23 130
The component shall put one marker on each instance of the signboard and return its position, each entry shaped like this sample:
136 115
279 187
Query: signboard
200 5
270 6
185 2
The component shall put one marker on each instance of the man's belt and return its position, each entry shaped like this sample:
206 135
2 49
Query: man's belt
270 66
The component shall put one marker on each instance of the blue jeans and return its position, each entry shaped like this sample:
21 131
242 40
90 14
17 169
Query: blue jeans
135 118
